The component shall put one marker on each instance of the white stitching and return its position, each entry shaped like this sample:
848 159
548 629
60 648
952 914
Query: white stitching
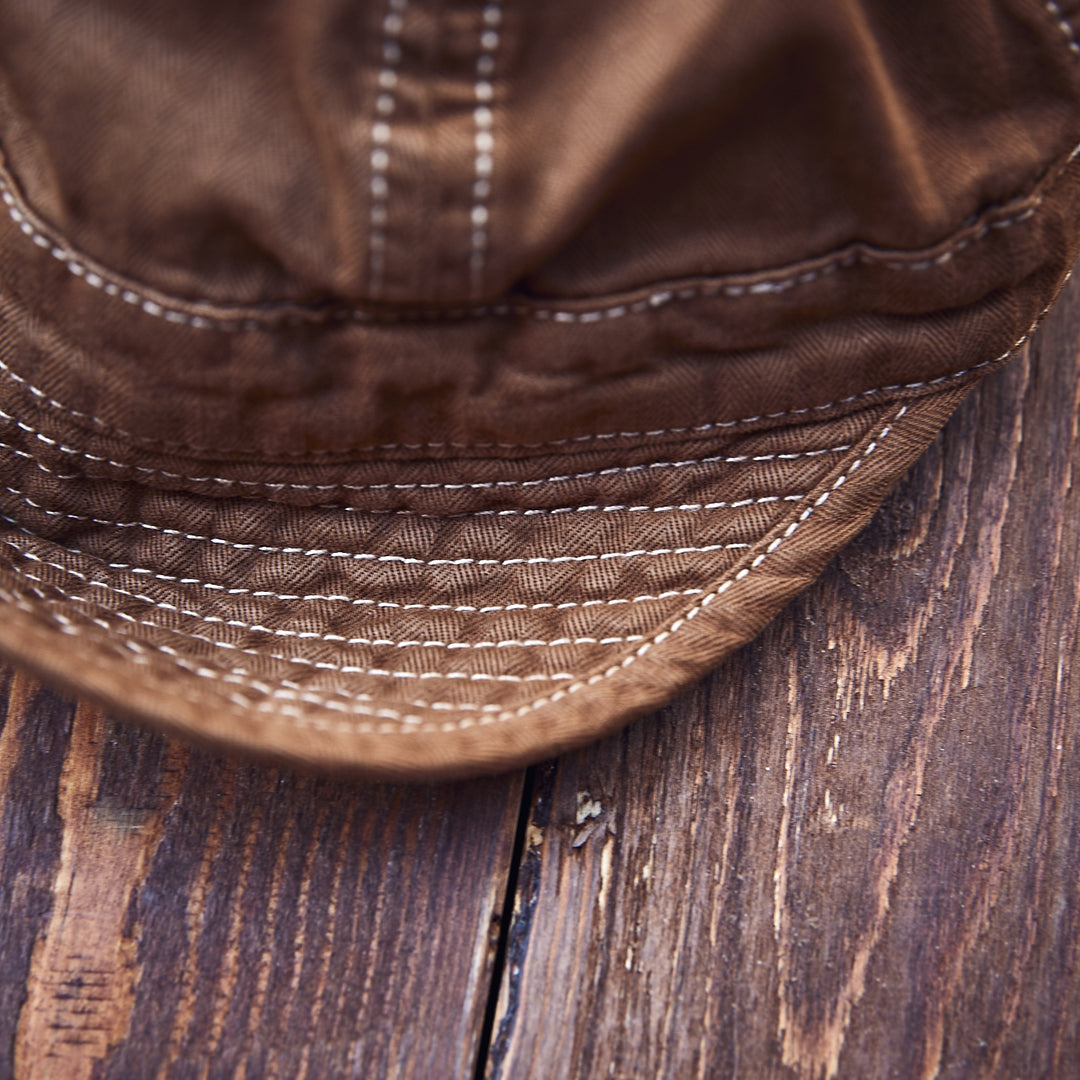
241 676
253 318
301 720
223 590
337 639
705 601
299 695
287 689
715 425
312 553
378 212
484 138
298 719
602 508
321 665
34 461
556 511
1064 25
856 254
283 486
594 508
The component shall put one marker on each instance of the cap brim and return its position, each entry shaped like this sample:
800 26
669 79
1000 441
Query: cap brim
413 644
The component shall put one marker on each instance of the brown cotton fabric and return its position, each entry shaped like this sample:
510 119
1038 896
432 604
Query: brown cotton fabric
425 388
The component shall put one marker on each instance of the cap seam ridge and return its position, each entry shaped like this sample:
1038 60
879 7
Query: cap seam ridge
484 145
761 282
715 425
380 133
99 459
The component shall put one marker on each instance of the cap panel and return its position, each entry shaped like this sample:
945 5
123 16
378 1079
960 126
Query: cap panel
240 131
301 152
296 151
801 130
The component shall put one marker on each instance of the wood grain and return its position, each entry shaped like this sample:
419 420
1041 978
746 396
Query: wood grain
855 850
165 913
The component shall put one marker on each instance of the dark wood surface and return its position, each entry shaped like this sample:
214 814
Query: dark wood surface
171 914
854 851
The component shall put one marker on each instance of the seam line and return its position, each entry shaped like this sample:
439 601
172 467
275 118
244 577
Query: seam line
715 425
301 720
320 665
223 590
337 639
737 459
380 134
287 690
684 620
1064 25
255 318
484 144
555 511
363 556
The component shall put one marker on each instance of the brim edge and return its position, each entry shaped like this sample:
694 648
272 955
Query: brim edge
779 566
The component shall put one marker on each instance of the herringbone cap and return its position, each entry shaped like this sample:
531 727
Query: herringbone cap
423 388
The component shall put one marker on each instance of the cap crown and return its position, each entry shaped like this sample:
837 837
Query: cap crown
407 152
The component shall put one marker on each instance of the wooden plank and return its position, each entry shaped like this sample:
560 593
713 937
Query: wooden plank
166 913
853 851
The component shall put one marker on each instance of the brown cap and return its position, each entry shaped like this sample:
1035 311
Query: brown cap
424 388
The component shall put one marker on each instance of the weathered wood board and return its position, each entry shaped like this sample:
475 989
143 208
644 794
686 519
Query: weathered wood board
853 852
166 913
